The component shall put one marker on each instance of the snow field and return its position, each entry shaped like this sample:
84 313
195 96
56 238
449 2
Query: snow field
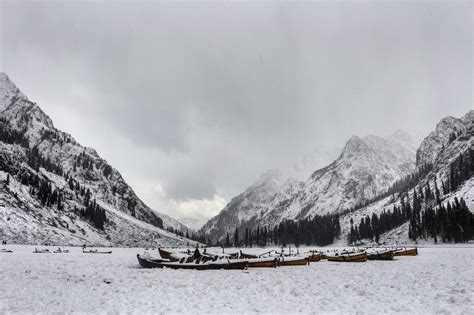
438 280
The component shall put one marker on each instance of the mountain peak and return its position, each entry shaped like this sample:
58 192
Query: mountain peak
404 138
469 117
435 142
8 91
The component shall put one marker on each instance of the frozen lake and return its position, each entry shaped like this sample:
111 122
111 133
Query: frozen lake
438 280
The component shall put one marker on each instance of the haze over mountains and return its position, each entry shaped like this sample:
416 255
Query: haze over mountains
56 191
366 168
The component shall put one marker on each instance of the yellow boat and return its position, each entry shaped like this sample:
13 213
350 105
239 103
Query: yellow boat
406 251
293 261
348 257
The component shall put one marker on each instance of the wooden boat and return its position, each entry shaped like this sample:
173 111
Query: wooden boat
381 255
95 251
210 265
61 251
348 257
406 251
314 256
41 251
3 250
293 261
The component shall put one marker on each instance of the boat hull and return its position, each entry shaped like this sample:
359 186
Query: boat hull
315 257
96 252
387 255
406 252
293 262
145 263
356 257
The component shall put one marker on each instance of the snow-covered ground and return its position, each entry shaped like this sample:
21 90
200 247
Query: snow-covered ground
438 280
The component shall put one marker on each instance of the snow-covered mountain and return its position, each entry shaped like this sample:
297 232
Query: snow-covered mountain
366 167
446 130
451 138
241 208
48 181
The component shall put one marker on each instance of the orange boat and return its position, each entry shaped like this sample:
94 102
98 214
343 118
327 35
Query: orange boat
293 261
315 256
406 251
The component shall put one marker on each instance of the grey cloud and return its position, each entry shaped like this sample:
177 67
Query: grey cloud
215 93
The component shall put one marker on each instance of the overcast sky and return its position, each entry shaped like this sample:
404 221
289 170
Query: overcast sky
192 101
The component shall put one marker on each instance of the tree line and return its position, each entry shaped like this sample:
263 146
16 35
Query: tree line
320 230
428 217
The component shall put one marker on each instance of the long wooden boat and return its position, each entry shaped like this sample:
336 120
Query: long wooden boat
3 250
293 261
41 251
314 256
347 257
211 265
381 255
95 251
406 251
61 251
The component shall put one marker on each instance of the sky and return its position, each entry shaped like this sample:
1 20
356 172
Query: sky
192 101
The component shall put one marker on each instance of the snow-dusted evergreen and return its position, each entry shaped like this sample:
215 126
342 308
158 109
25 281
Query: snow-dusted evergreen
53 190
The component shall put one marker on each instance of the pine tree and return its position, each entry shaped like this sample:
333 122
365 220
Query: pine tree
236 237
227 241
246 240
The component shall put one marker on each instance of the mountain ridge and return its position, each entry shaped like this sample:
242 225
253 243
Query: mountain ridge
38 145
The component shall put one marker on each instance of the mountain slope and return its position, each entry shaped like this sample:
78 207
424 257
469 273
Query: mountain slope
365 167
45 165
451 138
